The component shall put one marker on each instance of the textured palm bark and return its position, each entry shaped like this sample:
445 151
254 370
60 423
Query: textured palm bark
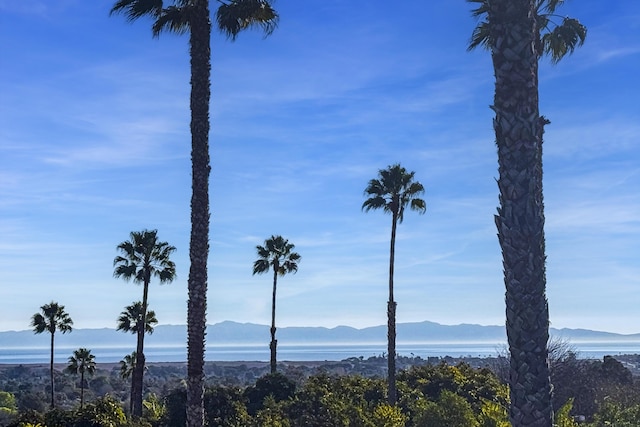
200 36
391 317
520 219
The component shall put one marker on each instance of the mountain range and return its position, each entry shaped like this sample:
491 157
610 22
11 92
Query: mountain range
233 333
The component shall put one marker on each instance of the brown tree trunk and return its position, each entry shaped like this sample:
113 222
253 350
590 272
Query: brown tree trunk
520 219
200 36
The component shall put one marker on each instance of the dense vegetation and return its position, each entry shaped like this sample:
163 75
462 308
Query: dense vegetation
438 392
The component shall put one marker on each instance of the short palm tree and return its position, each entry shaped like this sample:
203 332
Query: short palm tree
192 16
143 257
277 254
393 191
52 318
518 33
127 366
130 320
82 361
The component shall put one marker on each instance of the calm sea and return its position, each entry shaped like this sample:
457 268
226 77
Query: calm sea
329 352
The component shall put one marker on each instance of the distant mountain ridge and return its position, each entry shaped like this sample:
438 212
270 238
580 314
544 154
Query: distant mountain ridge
233 333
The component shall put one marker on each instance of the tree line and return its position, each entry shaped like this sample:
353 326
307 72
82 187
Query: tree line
442 392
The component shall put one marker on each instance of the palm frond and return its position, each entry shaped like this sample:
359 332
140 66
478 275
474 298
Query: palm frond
173 19
238 15
481 10
480 37
134 9
261 266
547 7
564 39
278 253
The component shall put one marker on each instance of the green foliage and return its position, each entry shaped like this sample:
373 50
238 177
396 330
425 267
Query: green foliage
385 415
153 408
563 416
450 410
103 412
271 415
29 418
8 401
493 414
614 415
59 418
475 385
337 401
275 385
225 407
8 407
176 403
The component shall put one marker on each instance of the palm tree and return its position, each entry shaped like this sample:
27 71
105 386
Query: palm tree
130 320
127 366
52 318
82 361
143 256
518 33
277 253
192 16
393 191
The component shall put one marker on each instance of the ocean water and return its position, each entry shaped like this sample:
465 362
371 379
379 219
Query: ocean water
302 352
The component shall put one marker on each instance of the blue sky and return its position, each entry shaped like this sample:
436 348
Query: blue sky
94 143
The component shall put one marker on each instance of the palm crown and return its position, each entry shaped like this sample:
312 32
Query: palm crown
132 316
52 318
143 257
556 40
232 16
82 361
278 253
393 191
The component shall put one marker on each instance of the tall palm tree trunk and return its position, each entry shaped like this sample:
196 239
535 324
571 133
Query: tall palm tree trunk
138 371
274 343
81 389
200 35
53 401
520 219
391 319
131 395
